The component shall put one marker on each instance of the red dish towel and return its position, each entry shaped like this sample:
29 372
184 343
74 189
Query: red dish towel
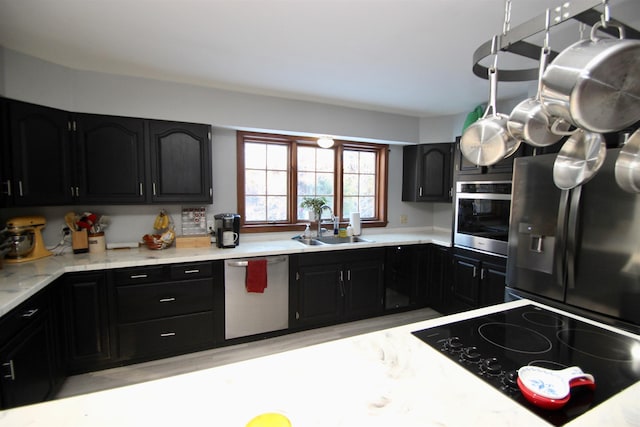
256 279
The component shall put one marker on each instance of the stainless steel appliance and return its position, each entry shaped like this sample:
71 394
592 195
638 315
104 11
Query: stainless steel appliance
577 249
227 228
495 346
249 313
482 216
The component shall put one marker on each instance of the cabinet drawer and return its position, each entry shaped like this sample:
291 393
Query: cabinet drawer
151 301
191 271
164 336
127 276
24 315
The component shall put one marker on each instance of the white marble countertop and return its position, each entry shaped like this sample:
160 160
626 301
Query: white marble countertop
18 282
384 378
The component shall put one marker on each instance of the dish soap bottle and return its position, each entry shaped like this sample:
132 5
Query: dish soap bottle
307 232
349 230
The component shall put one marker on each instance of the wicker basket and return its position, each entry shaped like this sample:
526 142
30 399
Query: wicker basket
158 241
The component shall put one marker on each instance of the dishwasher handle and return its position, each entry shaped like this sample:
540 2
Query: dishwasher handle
244 263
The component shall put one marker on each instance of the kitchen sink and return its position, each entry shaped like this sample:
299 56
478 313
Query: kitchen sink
330 240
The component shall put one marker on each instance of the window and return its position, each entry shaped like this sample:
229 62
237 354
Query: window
275 173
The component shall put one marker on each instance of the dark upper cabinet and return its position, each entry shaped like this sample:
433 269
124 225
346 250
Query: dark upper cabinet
110 159
41 155
427 172
180 162
504 166
5 154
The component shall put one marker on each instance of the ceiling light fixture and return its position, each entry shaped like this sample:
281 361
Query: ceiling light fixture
325 142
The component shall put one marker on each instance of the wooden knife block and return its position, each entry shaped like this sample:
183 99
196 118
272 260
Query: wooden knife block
80 241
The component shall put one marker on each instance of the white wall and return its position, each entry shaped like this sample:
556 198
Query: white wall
33 80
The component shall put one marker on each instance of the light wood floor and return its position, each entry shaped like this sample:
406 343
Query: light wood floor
117 377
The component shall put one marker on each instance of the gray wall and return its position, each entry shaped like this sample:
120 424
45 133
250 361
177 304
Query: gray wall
30 79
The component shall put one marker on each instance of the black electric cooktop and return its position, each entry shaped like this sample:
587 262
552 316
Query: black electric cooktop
495 346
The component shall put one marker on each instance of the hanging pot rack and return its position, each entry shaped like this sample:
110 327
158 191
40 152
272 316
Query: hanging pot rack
513 39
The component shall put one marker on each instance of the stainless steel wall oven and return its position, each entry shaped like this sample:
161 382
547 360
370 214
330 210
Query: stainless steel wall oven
482 216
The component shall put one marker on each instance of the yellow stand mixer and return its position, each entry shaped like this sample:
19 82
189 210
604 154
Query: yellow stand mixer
25 236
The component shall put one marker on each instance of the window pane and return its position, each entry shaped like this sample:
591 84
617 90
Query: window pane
367 162
277 183
324 184
350 160
306 159
255 208
350 185
306 183
277 157
276 208
350 204
367 207
255 156
367 185
255 182
325 160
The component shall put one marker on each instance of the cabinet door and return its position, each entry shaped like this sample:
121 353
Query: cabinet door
363 288
41 155
320 295
180 162
493 281
87 321
466 282
427 172
26 363
110 159
439 285
5 155
434 182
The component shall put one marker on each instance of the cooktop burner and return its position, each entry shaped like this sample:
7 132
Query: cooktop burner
495 346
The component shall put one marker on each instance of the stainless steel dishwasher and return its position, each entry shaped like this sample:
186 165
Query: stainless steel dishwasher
254 313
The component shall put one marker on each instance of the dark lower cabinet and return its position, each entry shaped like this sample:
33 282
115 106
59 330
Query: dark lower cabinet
478 280
167 310
30 365
88 321
439 278
406 276
333 287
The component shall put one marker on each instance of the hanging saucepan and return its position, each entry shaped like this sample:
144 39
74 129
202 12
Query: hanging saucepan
594 84
528 120
579 159
627 169
487 141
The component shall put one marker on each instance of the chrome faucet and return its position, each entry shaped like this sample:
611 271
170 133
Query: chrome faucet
333 218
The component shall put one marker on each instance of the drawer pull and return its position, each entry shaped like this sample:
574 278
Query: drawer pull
168 334
191 271
12 373
171 299
139 276
29 313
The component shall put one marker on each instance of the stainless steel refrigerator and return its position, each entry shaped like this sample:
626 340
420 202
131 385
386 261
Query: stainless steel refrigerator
577 249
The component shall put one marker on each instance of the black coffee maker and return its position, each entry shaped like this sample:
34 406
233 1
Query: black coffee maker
227 228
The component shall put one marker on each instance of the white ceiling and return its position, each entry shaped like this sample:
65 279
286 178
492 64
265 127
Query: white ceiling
404 56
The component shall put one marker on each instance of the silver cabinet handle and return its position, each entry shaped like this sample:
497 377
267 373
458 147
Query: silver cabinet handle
141 192
138 276
12 372
30 313
420 192
154 188
475 271
167 334
20 188
170 299
191 271
8 193
77 191
482 271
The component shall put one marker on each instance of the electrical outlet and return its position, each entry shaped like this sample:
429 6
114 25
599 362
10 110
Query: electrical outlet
404 219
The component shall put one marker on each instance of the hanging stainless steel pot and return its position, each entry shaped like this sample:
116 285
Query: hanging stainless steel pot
627 168
594 84
579 159
487 141
529 121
